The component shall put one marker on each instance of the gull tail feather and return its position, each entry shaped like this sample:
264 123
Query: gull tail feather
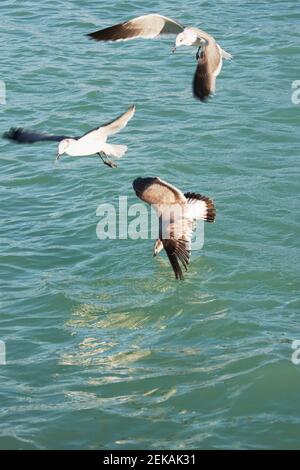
116 151
226 55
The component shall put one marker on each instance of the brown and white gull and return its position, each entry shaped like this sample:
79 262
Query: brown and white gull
178 213
209 55
93 142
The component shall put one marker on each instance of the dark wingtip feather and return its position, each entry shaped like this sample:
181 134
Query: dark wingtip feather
89 35
176 266
176 251
199 93
16 134
202 79
27 136
96 36
210 206
115 33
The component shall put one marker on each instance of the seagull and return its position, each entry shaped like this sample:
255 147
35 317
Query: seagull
177 212
209 55
93 142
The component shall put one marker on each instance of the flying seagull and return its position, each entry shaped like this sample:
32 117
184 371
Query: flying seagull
209 55
93 142
178 213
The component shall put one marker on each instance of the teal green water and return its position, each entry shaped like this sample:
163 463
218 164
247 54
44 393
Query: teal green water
104 348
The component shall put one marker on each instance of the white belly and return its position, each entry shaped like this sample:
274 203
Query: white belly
78 149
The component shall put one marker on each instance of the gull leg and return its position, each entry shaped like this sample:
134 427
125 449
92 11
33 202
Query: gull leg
198 53
106 161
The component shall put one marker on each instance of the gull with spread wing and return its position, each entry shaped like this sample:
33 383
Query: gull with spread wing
178 213
93 142
209 55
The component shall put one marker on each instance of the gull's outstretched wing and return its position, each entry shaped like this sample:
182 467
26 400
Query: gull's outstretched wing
115 126
147 27
26 136
101 133
209 62
177 242
176 251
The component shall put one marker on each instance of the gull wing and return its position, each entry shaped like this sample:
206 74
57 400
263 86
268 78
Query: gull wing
27 136
115 126
204 83
178 242
101 133
175 223
147 27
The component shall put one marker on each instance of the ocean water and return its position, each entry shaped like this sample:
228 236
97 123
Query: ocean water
104 349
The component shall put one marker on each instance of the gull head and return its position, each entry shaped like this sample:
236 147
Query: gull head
63 146
141 184
188 37
158 246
